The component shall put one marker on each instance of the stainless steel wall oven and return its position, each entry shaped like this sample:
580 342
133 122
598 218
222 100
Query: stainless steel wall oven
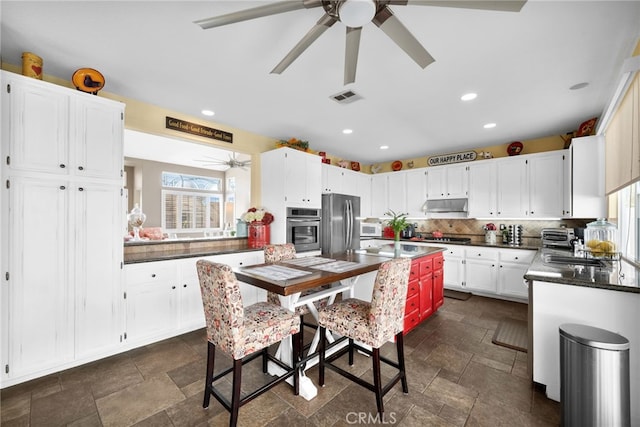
303 228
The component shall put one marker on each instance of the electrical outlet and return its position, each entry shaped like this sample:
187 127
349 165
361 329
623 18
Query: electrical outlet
503 227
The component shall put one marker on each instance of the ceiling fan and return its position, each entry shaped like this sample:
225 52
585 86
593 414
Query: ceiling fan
233 162
354 14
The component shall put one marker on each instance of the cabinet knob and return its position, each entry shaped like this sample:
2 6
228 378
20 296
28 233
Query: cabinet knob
80 168
493 265
184 286
516 257
173 287
153 275
62 166
62 187
80 189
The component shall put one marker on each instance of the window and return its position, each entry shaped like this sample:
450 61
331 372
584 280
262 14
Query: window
191 203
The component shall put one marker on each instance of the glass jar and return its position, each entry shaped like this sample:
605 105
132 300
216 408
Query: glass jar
601 239
136 218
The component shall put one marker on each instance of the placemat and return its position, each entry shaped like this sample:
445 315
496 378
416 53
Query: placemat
307 261
337 266
277 272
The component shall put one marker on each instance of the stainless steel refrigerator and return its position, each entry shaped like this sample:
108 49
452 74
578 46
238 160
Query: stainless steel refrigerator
340 223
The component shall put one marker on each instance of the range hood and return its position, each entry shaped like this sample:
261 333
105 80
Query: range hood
447 205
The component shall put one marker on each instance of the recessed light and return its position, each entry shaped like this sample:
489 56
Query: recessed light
347 131
384 147
489 125
208 112
469 96
579 86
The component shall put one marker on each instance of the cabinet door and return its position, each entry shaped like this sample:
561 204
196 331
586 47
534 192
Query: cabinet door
295 182
511 280
453 268
363 189
480 269
397 195
416 192
40 319
98 257
436 182
546 189
379 199
482 189
456 181
313 180
349 184
96 150
151 301
39 127
438 289
191 311
513 190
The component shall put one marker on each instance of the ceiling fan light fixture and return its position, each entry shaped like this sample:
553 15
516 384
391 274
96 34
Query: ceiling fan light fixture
356 13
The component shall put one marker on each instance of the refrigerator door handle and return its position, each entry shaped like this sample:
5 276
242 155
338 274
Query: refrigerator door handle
349 220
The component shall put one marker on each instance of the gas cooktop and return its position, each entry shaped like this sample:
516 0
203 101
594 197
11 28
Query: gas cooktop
460 240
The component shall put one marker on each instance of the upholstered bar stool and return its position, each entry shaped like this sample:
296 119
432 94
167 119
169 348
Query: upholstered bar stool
244 333
283 252
373 324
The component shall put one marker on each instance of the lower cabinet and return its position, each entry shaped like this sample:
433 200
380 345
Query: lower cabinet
514 264
481 269
163 299
425 292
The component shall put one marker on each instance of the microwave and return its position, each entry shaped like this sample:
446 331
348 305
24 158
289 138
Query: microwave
370 229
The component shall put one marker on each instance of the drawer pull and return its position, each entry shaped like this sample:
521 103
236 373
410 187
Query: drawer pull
153 274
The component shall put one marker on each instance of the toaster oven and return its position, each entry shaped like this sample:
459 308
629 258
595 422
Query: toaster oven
558 237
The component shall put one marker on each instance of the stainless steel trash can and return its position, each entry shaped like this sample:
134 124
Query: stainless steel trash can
594 377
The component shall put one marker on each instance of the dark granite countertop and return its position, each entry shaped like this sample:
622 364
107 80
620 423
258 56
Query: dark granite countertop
529 244
612 275
139 257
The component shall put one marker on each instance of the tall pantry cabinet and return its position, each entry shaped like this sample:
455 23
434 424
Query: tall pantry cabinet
62 223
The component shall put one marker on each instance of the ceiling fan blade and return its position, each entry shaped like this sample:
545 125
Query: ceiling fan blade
392 27
501 5
257 12
316 31
351 54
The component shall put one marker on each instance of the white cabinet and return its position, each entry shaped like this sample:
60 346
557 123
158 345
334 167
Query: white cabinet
514 264
416 192
397 195
37 298
62 225
379 195
482 190
512 187
447 182
586 177
56 130
481 269
339 180
546 184
453 267
98 274
363 189
531 186
293 176
163 298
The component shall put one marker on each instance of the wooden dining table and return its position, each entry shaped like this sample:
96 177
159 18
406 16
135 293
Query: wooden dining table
329 275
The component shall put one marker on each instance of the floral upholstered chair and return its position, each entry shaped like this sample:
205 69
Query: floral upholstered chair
373 324
243 333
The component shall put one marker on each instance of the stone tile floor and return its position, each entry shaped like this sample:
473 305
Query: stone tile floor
457 377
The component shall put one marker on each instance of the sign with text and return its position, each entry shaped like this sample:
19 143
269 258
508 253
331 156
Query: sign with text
446 159
199 130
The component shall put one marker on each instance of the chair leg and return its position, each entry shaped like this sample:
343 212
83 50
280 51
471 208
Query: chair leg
321 348
297 353
264 360
377 382
403 374
350 351
211 355
235 394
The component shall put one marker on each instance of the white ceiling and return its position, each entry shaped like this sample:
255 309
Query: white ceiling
520 64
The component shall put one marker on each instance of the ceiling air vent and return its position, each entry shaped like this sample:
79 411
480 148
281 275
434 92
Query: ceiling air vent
346 97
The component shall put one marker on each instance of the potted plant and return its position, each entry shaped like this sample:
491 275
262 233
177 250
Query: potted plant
398 222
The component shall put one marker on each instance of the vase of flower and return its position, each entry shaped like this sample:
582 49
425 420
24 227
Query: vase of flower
259 234
398 223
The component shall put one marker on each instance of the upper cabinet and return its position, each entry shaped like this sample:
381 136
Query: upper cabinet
379 195
416 192
291 178
52 129
586 198
447 182
482 190
339 180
